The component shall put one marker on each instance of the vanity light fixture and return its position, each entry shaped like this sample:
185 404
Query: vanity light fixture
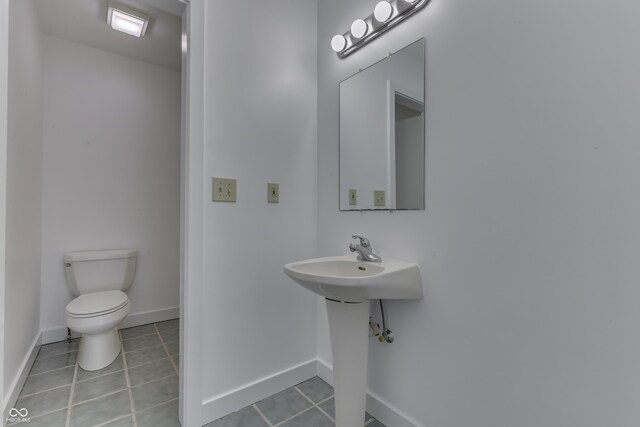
387 14
127 20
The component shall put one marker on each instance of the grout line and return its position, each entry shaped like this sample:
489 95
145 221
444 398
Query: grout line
323 411
51 370
304 395
166 350
99 376
73 387
128 380
152 381
156 406
45 390
293 416
262 415
100 397
112 420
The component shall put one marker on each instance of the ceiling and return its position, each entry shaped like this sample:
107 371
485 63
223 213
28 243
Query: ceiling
85 21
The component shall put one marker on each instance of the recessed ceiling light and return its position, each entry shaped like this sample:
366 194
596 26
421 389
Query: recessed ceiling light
127 20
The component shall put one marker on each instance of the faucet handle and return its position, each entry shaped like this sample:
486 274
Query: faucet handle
364 242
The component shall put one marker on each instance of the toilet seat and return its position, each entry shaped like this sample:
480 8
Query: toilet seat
97 304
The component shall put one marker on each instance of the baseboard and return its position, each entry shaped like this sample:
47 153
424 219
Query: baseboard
226 403
133 319
18 382
381 410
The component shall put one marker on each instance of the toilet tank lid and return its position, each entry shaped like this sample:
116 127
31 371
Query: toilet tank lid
98 255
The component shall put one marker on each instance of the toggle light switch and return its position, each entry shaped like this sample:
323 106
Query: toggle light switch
224 189
273 192
353 197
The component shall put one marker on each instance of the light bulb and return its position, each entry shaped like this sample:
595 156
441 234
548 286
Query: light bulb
383 11
338 43
359 28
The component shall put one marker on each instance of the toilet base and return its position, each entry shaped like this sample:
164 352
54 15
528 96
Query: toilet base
98 351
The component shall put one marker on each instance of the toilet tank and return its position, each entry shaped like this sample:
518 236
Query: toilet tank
95 271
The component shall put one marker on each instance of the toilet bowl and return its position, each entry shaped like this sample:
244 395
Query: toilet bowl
98 278
96 316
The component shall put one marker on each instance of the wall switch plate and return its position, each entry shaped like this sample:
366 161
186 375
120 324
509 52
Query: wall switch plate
353 197
224 189
378 198
273 192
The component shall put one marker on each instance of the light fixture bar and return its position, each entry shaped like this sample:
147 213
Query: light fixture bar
129 21
375 24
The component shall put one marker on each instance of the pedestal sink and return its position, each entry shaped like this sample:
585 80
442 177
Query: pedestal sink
348 285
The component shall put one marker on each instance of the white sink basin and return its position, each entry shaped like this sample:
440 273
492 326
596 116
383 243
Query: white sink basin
344 278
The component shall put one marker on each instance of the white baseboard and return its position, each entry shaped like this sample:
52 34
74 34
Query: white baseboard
21 376
381 410
226 403
133 319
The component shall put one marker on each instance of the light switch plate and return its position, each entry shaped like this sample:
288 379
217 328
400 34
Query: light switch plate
273 192
378 198
353 197
224 189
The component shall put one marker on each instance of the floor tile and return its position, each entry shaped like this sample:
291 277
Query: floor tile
138 331
48 401
48 380
375 423
173 347
150 372
122 422
116 365
55 348
155 393
55 419
176 360
100 386
100 410
316 389
165 415
310 418
330 408
54 362
168 325
171 335
283 405
141 342
246 417
146 355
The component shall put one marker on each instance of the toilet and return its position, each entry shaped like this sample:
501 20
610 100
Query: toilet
98 279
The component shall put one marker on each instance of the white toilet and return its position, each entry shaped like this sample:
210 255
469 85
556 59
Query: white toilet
98 278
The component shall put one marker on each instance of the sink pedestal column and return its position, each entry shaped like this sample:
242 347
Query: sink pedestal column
349 331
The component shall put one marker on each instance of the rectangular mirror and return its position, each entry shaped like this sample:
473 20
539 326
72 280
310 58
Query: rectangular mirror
382 134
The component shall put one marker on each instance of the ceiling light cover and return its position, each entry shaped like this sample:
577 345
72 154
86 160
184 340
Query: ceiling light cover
127 20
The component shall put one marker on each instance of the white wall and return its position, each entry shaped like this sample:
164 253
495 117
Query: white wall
4 99
24 190
111 171
529 243
260 126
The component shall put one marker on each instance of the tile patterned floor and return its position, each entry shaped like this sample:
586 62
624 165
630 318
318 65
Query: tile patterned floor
309 404
139 389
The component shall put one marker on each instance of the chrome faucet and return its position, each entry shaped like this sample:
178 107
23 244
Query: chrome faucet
365 253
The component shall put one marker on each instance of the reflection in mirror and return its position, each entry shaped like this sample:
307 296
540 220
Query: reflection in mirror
382 134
